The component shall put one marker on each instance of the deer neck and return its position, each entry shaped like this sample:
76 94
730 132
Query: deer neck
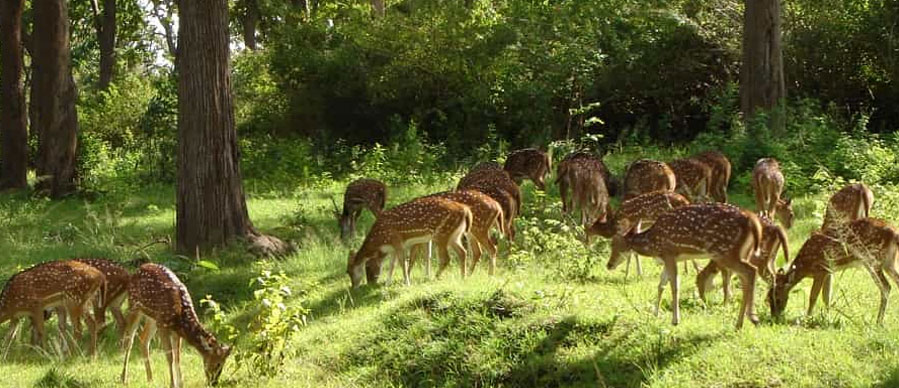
642 243
198 337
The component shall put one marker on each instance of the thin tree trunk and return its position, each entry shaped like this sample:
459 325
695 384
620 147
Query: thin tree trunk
211 209
13 118
762 77
106 35
54 95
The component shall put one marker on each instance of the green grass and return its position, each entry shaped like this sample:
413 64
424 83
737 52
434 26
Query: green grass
531 325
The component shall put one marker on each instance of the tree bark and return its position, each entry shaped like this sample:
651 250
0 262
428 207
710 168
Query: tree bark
54 96
13 122
250 19
377 8
211 209
106 36
762 83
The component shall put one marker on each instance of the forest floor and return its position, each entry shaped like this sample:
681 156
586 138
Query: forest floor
530 325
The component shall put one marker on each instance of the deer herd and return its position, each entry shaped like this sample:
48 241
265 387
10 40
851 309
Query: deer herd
671 211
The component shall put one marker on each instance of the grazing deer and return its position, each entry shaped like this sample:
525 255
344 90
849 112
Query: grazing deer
113 295
486 213
852 202
528 163
726 233
497 185
158 296
693 179
67 286
409 224
720 166
867 241
768 184
583 175
642 209
645 176
773 237
360 194
490 165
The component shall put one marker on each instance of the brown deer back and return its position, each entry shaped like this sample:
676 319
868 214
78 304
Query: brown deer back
49 284
852 202
692 177
528 163
721 170
644 208
646 176
117 277
484 209
367 193
715 229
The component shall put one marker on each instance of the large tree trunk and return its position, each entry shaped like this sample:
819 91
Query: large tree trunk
13 123
250 19
211 209
53 92
761 77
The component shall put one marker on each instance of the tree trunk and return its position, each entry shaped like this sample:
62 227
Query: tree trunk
761 77
211 209
53 92
13 123
377 8
106 35
250 19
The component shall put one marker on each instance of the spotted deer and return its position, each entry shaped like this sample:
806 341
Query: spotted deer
642 209
583 176
645 176
113 296
768 184
486 213
693 179
721 170
868 242
497 185
724 233
528 163
68 286
360 194
852 202
773 238
416 222
158 297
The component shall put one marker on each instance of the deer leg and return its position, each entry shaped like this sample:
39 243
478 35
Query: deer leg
128 339
166 338
390 268
430 255
13 330
817 283
443 254
671 268
828 289
399 252
663 280
704 279
76 311
726 277
176 358
116 309
461 253
637 262
747 275
37 320
491 250
884 286
146 336
64 336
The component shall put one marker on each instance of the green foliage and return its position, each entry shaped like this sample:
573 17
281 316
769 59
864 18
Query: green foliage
273 326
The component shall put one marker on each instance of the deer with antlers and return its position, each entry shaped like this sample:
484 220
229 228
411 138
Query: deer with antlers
413 223
642 209
768 184
773 238
486 214
721 169
852 202
693 179
67 286
360 194
157 296
870 242
645 176
583 176
528 163
726 234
